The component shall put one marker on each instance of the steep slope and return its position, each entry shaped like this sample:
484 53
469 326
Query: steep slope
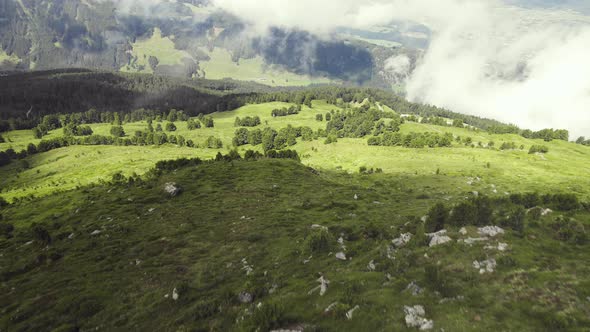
243 245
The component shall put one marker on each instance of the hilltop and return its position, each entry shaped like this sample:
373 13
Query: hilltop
133 202
244 243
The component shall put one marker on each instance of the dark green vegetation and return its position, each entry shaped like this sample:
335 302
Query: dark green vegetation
114 223
112 256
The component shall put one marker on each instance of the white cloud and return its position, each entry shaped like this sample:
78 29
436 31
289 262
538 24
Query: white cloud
525 66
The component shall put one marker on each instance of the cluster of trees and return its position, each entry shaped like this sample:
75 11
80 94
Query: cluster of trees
72 123
412 140
547 134
249 121
480 211
193 124
140 138
360 122
286 111
583 141
175 164
538 149
72 129
272 139
320 117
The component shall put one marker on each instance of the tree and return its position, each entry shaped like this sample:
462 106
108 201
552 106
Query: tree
117 120
2 140
31 149
159 127
208 122
319 117
213 142
268 139
458 123
117 131
240 137
193 124
170 126
436 218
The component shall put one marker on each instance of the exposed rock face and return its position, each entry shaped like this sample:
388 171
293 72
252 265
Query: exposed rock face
490 231
172 189
415 318
402 240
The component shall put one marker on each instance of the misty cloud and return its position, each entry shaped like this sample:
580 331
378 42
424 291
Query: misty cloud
526 66
488 58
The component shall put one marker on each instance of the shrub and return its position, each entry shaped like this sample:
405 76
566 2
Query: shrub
565 202
320 240
40 234
463 214
515 219
569 230
266 317
117 131
437 217
170 126
538 149
6 229
440 281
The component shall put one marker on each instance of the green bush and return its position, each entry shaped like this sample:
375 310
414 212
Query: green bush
569 230
267 317
320 240
40 234
437 217
6 229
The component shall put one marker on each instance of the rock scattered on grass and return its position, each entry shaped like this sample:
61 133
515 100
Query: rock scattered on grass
316 226
371 265
490 231
172 189
341 256
323 287
245 297
415 318
96 232
402 240
330 307
472 240
463 231
247 267
414 289
500 247
350 312
175 294
487 266
438 238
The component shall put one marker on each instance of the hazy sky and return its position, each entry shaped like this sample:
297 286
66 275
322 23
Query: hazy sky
528 66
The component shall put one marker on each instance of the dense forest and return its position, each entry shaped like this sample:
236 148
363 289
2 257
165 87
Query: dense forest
26 98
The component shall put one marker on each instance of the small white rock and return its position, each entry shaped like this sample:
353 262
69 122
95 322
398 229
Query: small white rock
174 294
341 256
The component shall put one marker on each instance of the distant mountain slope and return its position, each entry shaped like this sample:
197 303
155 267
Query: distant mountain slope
182 39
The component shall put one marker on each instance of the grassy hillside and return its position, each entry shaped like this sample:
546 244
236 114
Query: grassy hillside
500 172
113 256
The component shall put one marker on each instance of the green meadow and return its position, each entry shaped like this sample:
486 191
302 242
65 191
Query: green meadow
500 172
